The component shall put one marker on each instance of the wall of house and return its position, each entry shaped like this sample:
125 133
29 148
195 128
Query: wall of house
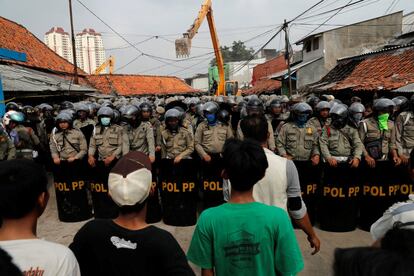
408 23
311 73
313 53
359 38
200 83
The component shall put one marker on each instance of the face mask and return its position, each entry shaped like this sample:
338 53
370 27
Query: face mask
211 118
105 121
339 123
301 120
357 117
383 121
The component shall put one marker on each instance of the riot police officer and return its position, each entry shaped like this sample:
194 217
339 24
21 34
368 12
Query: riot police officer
82 115
404 132
7 148
67 143
322 116
355 114
377 133
298 140
140 134
339 142
146 116
255 107
107 139
177 142
211 134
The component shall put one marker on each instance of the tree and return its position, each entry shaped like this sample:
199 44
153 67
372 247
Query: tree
237 52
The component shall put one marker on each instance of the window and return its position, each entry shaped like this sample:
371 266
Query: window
316 43
308 46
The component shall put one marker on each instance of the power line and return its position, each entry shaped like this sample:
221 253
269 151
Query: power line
392 6
327 12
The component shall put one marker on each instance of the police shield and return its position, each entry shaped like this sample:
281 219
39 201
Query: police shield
71 192
212 182
103 206
338 208
309 177
154 212
379 191
178 192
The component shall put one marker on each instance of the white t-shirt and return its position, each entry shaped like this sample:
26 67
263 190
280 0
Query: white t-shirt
40 257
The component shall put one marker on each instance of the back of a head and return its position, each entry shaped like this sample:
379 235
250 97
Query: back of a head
244 162
22 181
255 127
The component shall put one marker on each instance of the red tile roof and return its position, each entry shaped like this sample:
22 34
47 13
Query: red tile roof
140 85
17 38
264 86
58 30
383 70
268 68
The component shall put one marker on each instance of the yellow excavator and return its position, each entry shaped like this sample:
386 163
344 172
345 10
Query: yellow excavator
109 62
183 47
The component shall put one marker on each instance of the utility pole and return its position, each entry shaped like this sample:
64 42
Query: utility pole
287 55
75 66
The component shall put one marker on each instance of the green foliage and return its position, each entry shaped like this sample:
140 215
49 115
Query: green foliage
237 52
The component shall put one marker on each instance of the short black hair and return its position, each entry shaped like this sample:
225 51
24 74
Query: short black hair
128 209
245 163
255 127
7 267
21 183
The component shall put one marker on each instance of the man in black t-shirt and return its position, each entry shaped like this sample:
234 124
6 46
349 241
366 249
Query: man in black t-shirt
127 245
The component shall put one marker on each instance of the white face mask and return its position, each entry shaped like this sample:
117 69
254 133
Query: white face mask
105 121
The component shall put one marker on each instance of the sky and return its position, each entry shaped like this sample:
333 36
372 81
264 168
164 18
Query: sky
155 24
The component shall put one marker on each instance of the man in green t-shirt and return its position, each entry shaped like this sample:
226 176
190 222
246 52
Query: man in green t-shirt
244 237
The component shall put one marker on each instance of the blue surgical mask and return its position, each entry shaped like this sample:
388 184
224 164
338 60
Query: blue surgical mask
105 121
301 120
211 119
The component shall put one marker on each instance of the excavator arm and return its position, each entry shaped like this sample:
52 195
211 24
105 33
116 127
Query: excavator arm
183 45
109 62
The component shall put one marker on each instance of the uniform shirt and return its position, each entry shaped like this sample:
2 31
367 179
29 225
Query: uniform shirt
211 139
300 143
270 141
7 149
80 124
108 141
142 138
177 144
404 133
342 143
60 144
316 123
369 131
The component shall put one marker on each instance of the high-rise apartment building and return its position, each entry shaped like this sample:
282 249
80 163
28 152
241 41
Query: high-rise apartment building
59 41
90 51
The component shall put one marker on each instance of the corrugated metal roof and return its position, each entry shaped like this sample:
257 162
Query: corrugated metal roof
20 79
408 88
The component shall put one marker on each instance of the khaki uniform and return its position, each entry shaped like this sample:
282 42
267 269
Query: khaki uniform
69 143
141 138
7 149
404 133
316 123
108 141
300 143
369 132
28 140
80 124
270 141
340 143
177 144
211 139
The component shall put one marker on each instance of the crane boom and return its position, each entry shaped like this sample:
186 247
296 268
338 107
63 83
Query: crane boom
183 45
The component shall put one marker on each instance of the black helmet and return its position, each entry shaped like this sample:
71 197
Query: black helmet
200 109
66 105
45 107
383 104
339 110
12 106
223 116
64 117
313 101
302 108
275 103
82 107
172 113
117 116
211 107
105 111
145 107
356 113
400 101
129 111
254 104
322 105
